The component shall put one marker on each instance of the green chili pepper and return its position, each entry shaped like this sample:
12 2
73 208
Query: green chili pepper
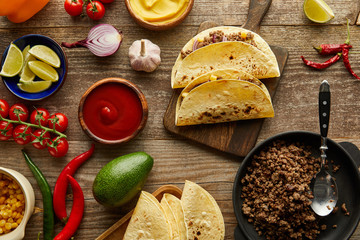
48 220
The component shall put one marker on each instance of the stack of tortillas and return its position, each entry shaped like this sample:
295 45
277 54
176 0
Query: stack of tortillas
195 216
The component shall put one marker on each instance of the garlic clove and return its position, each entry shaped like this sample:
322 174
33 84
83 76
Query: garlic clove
144 55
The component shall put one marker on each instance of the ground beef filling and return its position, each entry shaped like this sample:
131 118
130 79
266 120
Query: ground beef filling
276 194
220 36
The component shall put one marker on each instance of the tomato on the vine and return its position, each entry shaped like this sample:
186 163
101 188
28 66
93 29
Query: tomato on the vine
40 142
60 120
73 7
4 108
40 114
95 10
61 147
6 130
22 134
107 1
20 109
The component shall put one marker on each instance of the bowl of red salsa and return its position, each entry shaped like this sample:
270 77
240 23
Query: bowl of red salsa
113 111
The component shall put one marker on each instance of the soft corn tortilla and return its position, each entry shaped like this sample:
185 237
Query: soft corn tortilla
229 73
259 42
222 101
175 216
222 55
148 220
202 214
177 208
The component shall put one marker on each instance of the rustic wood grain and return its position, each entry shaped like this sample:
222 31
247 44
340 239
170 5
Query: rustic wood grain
176 158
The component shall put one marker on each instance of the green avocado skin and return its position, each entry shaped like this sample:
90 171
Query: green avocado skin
122 178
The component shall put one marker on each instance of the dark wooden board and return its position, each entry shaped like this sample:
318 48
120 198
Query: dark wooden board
237 137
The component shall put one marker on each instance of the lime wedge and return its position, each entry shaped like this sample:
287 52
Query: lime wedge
43 71
13 62
26 74
34 86
45 54
318 11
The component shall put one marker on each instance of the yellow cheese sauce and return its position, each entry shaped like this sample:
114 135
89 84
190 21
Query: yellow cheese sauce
159 11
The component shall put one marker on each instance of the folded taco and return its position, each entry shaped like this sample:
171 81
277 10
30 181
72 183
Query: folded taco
202 214
148 220
220 35
224 100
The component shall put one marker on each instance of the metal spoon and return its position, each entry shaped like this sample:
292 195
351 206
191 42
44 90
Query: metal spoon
323 184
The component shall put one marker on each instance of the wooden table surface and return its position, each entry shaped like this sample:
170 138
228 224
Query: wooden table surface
178 159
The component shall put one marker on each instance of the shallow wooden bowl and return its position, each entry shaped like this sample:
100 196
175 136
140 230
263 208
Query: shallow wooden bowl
163 26
133 87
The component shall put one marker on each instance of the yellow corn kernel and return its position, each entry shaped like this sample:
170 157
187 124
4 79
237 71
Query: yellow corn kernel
20 197
7 226
2 223
2 200
1 231
243 35
14 225
200 40
10 220
213 78
19 220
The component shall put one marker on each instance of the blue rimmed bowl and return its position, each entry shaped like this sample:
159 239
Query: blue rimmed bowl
32 40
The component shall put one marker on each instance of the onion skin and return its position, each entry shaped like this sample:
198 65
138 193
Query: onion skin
103 40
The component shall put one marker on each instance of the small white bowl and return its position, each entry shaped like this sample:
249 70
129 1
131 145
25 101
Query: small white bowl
28 191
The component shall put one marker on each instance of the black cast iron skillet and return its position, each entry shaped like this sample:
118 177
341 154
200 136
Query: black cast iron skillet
347 177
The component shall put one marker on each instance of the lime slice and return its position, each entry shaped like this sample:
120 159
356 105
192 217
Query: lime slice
43 71
13 62
26 74
318 11
34 86
45 54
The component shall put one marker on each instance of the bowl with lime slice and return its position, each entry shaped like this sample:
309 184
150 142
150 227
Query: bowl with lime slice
33 67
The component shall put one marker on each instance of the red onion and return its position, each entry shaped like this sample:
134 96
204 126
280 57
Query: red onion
224 38
195 45
103 40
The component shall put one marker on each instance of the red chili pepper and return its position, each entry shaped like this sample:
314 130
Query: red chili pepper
327 49
323 65
59 195
346 61
77 211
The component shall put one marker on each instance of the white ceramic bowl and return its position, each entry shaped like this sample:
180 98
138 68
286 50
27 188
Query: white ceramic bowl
28 191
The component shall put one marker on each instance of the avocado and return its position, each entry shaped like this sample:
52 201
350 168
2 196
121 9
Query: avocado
121 179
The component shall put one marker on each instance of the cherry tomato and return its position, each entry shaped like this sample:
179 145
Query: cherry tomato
22 134
40 114
95 10
107 1
62 147
73 7
6 130
4 108
60 120
21 109
42 142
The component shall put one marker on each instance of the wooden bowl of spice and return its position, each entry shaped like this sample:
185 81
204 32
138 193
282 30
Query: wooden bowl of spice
159 15
113 111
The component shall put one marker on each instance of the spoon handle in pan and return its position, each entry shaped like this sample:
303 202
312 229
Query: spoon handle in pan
324 108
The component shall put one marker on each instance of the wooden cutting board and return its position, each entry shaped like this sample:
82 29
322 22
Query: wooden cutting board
232 137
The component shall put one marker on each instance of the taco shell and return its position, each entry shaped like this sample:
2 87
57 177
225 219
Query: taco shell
223 55
258 41
222 101
203 216
175 215
148 220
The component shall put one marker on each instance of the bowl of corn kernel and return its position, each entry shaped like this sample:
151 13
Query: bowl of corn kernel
17 201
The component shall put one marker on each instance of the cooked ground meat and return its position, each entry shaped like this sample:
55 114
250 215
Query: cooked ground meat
219 36
344 209
276 194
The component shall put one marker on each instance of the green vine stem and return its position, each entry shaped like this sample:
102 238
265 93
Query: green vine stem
46 129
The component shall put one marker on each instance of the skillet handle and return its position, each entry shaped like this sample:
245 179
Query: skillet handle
257 11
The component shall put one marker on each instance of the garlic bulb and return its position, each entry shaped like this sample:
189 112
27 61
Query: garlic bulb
144 55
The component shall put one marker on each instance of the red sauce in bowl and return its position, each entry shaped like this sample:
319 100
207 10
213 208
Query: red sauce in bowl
112 111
